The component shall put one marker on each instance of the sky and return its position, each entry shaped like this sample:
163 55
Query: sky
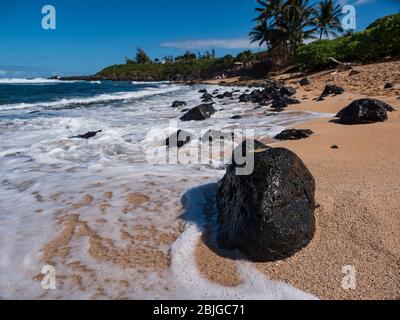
91 35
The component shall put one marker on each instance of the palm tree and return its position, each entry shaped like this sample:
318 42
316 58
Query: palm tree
298 23
327 18
283 25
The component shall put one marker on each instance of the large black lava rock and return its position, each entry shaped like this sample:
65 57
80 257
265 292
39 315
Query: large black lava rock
279 104
178 139
332 89
293 134
269 214
364 111
199 113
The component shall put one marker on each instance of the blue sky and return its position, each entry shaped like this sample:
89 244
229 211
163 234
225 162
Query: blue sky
92 34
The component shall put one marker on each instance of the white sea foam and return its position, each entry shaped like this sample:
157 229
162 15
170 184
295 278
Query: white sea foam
31 81
43 174
98 98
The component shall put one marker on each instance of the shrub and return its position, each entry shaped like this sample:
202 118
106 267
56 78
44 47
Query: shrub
379 40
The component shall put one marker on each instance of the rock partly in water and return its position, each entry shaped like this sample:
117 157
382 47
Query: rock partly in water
279 104
294 134
199 113
269 214
203 91
87 136
290 100
228 94
178 139
364 111
207 97
287 91
177 104
332 89
236 117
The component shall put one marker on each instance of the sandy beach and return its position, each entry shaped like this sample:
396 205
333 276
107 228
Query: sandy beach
358 193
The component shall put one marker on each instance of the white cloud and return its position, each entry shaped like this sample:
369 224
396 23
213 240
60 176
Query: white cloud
239 43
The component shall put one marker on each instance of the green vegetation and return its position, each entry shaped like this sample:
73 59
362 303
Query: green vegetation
185 67
284 25
381 39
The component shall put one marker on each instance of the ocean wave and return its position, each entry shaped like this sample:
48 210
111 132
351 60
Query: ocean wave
150 82
98 98
31 81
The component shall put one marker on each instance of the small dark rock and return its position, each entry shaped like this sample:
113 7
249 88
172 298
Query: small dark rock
178 139
177 104
290 100
237 117
279 104
86 136
269 214
334 147
287 91
305 82
332 89
206 97
203 91
199 113
220 96
293 134
185 110
389 85
228 94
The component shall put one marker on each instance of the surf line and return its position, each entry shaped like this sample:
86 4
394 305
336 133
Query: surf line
172 311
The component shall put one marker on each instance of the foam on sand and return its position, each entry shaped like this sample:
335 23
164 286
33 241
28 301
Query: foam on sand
191 285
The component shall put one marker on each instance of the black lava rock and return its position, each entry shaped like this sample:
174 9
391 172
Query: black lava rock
199 113
178 139
334 147
293 134
364 111
228 94
220 96
290 100
287 91
177 104
207 97
305 82
203 91
279 104
237 117
389 85
332 90
269 214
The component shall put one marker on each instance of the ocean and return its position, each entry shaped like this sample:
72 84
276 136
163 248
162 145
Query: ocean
113 220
